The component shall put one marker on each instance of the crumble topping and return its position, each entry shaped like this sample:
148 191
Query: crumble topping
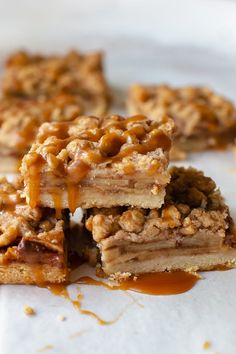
20 119
33 76
192 202
72 148
194 109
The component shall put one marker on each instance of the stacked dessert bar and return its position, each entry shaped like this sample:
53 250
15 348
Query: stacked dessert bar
39 89
139 215
142 216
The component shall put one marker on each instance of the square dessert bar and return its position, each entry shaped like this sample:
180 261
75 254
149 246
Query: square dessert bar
33 76
192 231
32 241
100 162
20 120
204 120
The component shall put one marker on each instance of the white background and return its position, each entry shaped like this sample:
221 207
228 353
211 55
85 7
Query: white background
180 42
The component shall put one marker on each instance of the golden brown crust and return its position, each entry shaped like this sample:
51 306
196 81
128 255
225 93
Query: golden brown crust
193 220
39 274
113 154
203 119
33 76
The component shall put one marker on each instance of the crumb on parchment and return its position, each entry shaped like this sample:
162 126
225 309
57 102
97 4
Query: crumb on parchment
206 345
61 317
28 310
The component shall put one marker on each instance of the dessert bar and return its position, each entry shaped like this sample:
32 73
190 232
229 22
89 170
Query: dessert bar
99 162
192 231
35 76
204 120
32 241
20 120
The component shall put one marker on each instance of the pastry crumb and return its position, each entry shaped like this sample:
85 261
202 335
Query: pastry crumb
206 345
61 318
29 311
120 276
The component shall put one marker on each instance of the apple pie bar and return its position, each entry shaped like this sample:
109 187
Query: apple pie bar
20 120
99 162
204 120
192 231
32 241
36 76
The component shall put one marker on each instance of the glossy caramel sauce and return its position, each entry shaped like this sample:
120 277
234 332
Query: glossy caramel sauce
61 290
38 276
34 180
57 201
116 139
165 283
73 192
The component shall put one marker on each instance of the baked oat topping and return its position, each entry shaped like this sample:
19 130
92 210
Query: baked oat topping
33 76
20 119
87 141
194 109
204 120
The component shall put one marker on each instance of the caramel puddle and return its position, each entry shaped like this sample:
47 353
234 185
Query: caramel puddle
165 283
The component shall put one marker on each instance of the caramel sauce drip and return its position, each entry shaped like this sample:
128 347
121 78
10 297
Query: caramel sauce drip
72 190
34 180
57 200
61 290
38 276
165 283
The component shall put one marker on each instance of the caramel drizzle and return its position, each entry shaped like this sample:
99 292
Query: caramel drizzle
61 290
57 201
72 191
34 180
